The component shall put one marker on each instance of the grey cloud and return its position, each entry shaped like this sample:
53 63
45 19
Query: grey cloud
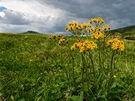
110 10
117 13
15 18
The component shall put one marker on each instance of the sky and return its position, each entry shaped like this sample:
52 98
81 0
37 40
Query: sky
51 16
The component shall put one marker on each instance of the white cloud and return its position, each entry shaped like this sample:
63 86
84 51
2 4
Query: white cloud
32 13
2 14
31 7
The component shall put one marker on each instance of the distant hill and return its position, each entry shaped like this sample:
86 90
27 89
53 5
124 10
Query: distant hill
31 32
129 30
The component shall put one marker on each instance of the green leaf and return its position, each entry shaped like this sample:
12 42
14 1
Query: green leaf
81 96
113 85
74 98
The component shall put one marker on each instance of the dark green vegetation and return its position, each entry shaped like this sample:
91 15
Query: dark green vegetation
31 32
31 69
127 32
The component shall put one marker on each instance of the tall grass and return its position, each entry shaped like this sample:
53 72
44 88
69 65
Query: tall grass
34 68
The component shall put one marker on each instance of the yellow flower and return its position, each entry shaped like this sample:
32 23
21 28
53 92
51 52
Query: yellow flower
82 49
95 45
79 44
53 36
115 40
121 47
73 47
86 42
84 46
60 42
71 26
114 46
114 76
122 42
98 34
63 37
100 20
96 20
109 42
105 27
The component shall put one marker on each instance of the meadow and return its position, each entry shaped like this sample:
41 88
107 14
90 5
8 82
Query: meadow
40 67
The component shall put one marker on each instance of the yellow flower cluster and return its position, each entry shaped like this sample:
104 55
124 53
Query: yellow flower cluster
84 46
98 34
106 27
53 36
97 20
62 39
82 26
73 26
91 26
116 44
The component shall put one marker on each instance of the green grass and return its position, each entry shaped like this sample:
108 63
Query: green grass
31 69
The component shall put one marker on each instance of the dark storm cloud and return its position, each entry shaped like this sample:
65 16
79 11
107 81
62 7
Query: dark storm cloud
51 16
112 11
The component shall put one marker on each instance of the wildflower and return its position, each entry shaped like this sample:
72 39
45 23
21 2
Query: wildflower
98 34
114 76
63 37
105 27
121 47
86 42
82 49
116 44
96 20
60 42
71 26
79 44
115 40
84 46
73 47
53 36
109 42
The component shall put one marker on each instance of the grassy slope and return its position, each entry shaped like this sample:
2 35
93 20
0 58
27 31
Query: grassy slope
127 32
25 60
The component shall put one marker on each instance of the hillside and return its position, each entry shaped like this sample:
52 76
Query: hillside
34 67
129 30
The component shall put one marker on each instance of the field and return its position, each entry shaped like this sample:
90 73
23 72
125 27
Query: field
34 67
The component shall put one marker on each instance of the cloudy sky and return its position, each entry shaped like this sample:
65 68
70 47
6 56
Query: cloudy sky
51 16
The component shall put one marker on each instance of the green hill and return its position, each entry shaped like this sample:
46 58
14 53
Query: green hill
35 68
129 30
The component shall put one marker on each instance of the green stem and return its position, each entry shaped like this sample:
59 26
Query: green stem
94 73
93 68
111 76
73 73
83 61
68 79
87 77
100 55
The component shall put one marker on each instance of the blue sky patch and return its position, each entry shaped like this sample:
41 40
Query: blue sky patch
2 8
